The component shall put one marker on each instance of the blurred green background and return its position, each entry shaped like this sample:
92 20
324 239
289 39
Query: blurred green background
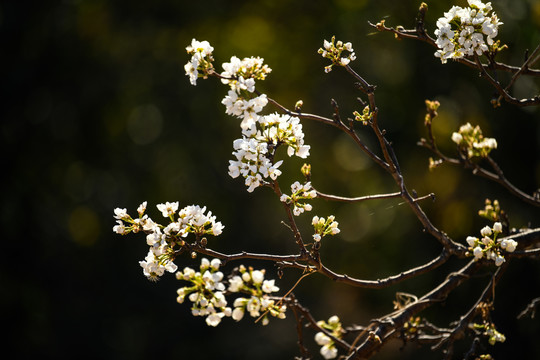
97 113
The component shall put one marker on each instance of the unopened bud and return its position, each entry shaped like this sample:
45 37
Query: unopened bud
306 170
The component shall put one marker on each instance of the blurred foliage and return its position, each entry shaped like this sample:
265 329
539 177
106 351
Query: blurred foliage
97 113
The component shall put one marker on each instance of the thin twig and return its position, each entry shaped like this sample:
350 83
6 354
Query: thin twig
357 199
374 284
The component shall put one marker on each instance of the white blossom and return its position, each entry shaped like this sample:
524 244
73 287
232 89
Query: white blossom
329 352
471 240
486 231
257 276
120 228
477 252
466 31
258 144
235 283
322 339
120 214
238 313
499 260
168 209
269 286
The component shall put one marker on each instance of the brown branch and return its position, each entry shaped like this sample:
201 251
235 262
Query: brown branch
526 253
290 217
530 310
372 284
311 322
394 170
502 92
293 259
338 125
415 35
357 199
299 318
529 61
463 323
386 326
420 34
496 176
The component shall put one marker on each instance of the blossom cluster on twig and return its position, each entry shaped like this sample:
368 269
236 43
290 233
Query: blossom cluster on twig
488 246
466 31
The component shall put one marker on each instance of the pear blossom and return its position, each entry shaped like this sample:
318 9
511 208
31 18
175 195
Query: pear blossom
322 339
328 349
119 228
259 303
120 214
489 246
324 227
478 253
466 31
334 51
329 352
472 142
269 287
300 192
486 231
200 63
206 291
254 151
168 209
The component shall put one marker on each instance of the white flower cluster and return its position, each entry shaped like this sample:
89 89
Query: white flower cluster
206 292
334 51
466 31
328 349
473 142
164 240
489 246
255 151
201 60
324 227
299 192
247 110
260 303
261 134
240 75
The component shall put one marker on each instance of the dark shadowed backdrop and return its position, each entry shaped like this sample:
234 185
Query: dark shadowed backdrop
97 113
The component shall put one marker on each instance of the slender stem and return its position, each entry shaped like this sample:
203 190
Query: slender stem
467 318
357 199
372 284
331 122
313 323
498 176
387 326
290 216
413 34
530 60
510 99
503 92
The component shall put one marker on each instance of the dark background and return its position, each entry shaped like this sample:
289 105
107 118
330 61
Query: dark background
97 113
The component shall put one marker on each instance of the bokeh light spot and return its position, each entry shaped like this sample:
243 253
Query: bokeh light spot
144 124
84 226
